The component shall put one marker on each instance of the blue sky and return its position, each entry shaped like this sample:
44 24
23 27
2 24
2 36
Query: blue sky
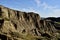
45 8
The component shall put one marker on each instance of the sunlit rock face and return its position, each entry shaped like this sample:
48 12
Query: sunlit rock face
17 25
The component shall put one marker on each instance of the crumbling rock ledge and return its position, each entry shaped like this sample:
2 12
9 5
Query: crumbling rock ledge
17 25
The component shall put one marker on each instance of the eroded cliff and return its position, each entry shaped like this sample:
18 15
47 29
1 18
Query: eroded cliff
17 25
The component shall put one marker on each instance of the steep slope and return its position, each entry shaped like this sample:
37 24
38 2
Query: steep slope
17 25
55 19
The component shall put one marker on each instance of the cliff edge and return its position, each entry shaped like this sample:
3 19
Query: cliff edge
17 25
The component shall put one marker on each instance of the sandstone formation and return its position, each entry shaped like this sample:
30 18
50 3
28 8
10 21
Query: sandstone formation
17 25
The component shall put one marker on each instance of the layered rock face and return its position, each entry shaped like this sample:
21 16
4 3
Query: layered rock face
17 25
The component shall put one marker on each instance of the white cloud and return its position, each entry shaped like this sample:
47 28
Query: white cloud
38 2
44 4
55 12
30 9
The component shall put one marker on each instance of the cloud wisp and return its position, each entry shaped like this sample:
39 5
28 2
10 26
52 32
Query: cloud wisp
30 9
38 2
55 12
44 5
